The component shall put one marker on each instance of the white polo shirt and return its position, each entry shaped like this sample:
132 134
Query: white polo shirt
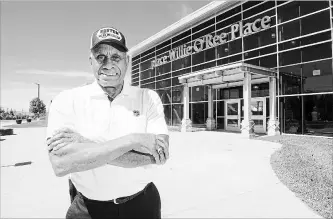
88 111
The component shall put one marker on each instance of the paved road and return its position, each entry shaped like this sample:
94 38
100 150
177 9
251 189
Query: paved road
209 174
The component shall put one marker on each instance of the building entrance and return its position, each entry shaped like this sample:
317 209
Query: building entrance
258 114
233 115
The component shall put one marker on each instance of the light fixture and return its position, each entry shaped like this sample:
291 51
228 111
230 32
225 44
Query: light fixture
226 50
273 35
293 42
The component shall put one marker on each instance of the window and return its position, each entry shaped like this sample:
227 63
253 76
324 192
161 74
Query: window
259 8
161 77
251 42
199 93
220 108
181 72
199 113
204 56
229 21
263 51
148 81
203 25
289 30
291 79
250 4
260 90
315 52
167 114
163 84
308 7
231 12
204 32
175 81
149 86
318 114
161 45
177 114
268 61
177 94
163 50
228 60
290 57
165 95
267 37
292 115
181 42
288 11
146 65
305 41
147 74
204 66
318 76
316 22
222 50
181 63
148 52
269 13
182 35
235 46
162 69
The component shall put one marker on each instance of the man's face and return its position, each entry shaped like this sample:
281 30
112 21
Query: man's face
109 65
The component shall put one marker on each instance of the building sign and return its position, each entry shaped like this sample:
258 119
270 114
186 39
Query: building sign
209 41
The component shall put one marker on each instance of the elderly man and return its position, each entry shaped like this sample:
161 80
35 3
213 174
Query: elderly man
107 135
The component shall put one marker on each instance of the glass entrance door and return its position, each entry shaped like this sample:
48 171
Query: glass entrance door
232 113
258 110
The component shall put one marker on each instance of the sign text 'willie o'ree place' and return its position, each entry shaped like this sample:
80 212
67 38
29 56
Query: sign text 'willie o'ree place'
209 41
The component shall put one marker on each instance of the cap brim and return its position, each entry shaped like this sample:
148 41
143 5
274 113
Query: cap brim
114 43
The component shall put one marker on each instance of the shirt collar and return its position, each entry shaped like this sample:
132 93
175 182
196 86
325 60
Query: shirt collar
96 91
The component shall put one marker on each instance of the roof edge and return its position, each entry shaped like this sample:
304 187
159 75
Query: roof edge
186 22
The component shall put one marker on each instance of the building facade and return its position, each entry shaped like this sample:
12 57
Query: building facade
281 49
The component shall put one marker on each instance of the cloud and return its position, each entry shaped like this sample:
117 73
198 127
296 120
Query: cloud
72 74
182 11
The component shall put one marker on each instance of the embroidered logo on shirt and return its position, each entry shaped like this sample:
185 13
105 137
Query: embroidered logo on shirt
136 113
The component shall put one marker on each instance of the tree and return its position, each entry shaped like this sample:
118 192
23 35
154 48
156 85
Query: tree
37 107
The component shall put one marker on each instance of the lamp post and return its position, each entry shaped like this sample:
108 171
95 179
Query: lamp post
38 89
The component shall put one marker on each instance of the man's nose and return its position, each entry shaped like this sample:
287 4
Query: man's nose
108 64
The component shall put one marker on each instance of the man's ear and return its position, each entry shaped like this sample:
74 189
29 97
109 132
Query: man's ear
127 61
90 60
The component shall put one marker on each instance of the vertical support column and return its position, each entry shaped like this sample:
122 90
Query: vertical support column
186 121
210 122
273 123
247 124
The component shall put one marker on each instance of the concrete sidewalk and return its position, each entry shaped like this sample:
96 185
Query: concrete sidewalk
209 174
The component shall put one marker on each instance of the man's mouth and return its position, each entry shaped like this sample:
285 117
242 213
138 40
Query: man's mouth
109 74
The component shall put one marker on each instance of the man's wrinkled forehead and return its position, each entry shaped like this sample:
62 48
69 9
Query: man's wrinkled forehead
107 47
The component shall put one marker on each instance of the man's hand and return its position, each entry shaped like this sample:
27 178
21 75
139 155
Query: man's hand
63 137
156 145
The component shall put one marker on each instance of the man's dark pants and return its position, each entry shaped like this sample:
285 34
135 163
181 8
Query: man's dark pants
147 204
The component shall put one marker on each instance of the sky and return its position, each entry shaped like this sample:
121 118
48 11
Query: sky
48 42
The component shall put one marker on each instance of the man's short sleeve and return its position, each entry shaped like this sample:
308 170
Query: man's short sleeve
61 113
155 114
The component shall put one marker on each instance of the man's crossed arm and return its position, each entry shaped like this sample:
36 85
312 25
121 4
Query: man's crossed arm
70 152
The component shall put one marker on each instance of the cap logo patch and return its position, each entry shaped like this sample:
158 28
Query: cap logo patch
108 33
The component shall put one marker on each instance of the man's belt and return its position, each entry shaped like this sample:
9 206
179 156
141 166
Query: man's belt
123 200
116 201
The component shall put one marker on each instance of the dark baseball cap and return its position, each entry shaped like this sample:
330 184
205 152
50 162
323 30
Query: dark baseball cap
108 35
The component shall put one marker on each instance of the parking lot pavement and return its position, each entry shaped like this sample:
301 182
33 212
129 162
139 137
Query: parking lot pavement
209 174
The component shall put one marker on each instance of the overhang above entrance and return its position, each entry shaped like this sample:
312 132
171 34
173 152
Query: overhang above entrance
227 74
